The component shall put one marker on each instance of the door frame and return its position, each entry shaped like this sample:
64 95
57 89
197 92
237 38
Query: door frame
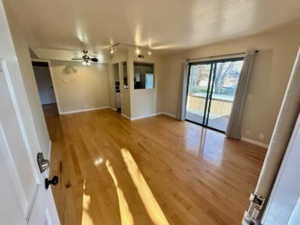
113 69
52 80
209 93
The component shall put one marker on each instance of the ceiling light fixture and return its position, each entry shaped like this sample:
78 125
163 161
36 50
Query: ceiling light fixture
112 51
138 51
86 63
113 48
86 59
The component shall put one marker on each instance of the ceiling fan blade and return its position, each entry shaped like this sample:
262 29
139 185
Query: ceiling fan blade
94 60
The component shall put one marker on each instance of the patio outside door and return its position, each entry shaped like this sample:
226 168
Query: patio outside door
211 91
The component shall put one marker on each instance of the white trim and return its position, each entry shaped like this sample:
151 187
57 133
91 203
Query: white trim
84 110
167 114
251 141
124 115
49 150
48 156
143 117
113 108
149 115
217 57
286 164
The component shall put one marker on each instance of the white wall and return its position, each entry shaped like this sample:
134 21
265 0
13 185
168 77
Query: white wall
125 92
272 69
80 87
144 102
141 102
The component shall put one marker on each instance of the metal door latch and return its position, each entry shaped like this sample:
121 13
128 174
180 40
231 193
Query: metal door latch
42 162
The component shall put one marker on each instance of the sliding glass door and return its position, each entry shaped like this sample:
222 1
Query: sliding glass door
199 80
211 91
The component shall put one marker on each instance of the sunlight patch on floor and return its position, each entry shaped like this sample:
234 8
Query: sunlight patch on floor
126 216
98 161
155 212
86 201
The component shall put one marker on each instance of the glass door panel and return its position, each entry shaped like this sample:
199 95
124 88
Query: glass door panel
198 89
224 83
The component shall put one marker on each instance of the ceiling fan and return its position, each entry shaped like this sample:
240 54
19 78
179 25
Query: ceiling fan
86 58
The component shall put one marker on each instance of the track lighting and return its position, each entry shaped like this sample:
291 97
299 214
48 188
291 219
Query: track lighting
112 51
138 51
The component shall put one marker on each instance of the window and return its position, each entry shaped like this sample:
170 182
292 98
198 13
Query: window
143 76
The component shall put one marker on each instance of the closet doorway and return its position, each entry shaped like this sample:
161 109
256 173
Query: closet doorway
45 87
211 91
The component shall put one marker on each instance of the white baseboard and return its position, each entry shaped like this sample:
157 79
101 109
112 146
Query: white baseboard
149 115
84 110
258 143
154 114
167 114
124 115
114 109
143 117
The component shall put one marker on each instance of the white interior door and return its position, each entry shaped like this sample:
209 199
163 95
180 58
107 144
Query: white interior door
284 205
24 198
12 211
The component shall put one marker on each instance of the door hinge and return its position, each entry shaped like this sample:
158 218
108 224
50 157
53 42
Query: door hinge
257 200
252 216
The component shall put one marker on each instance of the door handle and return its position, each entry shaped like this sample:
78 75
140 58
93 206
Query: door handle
53 181
42 162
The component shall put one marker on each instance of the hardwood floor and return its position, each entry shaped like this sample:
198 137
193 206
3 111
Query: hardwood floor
155 171
50 109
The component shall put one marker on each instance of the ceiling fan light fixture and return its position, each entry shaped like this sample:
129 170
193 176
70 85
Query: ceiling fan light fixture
149 53
86 63
86 59
94 59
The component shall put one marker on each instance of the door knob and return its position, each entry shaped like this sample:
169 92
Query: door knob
42 162
53 181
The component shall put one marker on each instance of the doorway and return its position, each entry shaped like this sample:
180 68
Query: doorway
116 75
45 88
211 91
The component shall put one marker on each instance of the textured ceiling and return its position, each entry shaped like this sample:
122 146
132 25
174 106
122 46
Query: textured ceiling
163 24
